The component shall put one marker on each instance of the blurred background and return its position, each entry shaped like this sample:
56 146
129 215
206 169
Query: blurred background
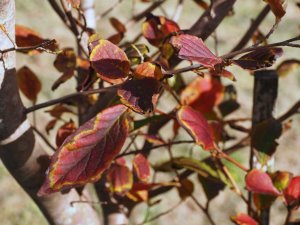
18 209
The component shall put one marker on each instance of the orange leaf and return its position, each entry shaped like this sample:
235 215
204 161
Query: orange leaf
278 7
28 83
141 167
203 94
195 123
148 69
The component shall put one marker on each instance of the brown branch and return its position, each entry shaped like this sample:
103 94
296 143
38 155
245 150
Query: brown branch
293 110
68 97
253 27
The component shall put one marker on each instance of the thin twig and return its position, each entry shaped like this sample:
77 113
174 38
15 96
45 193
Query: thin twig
44 138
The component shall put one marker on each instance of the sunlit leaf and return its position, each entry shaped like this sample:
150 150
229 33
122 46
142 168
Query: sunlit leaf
141 167
140 95
193 48
281 179
108 60
120 179
88 152
260 182
148 69
287 67
292 193
28 83
196 124
243 219
260 58
203 94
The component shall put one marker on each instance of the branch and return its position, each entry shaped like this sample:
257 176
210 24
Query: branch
253 27
68 97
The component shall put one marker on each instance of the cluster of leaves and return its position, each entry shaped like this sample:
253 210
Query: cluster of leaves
93 151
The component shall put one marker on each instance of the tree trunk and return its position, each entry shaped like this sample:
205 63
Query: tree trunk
21 154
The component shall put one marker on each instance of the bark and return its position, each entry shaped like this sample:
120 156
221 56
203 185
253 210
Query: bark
20 153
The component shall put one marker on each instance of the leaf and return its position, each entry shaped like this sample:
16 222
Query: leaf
229 103
116 38
74 3
186 189
193 48
62 79
120 179
119 26
195 123
65 60
88 152
203 94
26 37
28 83
156 28
50 125
64 131
222 73
140 95
262 201
287 66
259 58
260 182
148 69
211 187
278 7
243 219
141 168
136 53
281 179
58 110
292 193
108 60
264 136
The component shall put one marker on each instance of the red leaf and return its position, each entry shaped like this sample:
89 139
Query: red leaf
156 28
140 95
260 182
292 193
120 179
64 131
108 60
243 219
141 167
88 152
195 123
193 48
203 94
28 83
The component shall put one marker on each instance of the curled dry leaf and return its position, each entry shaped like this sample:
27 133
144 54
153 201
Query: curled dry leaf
258 59
88 152
196 124
26 37
58 110
292 193
28 83
278 7
140 95
193 48
243 219
120 179
203 94
260 182
156 28
108 60
141 167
